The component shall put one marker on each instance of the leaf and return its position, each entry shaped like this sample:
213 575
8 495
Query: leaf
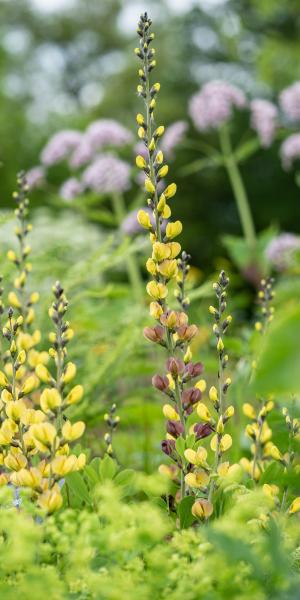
125 478
185 511
78 486
107 468
278 365
180 446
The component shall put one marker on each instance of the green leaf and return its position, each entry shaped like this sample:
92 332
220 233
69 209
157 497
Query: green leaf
78 487
180 446
125 478
278 365
185 511
107 468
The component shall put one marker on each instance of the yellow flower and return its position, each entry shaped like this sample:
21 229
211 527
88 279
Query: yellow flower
202 509
270 490
27 477
196 458
156 290
175 249
295 506
249 411
170 413
15 409
69 373
151 266
50 399
44 435
6 434
73 432
75 394
3 380
213 394
16 461
168 268
229 412
144 219
32 416
11 255
160 251
163 171
170 472
203 412
30 384
62 465
149 186
140 119
201 385
198 480
225 442
140 162
155 310
14 300
173 229
159 131
170 191
43 373
51 500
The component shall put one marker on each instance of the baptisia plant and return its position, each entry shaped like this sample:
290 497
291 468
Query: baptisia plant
188 421
36 430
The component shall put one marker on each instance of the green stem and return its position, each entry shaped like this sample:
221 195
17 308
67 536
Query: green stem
133 271
238 188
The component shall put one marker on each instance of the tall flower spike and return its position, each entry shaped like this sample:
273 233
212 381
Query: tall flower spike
265 297
172 330
112 420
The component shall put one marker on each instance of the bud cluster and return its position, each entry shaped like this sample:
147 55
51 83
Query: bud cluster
265 296
112 420
35 430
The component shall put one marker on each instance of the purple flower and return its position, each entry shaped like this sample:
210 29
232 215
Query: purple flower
83 153
35 177
213 104
71 188
290 150
289 100
107 132
173 137
263 120
280 249
107 175
60 146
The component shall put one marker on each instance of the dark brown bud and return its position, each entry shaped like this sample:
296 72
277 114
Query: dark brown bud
168 447
175 367
161 383
190 397
202 430
175 428
187 332
193 370
154 334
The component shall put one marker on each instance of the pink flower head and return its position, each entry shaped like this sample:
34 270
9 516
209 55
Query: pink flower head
82 154
263 120
280 250
71 188
35 177
289 100
213 104
173 137
60 146
107 175
107 132
290 150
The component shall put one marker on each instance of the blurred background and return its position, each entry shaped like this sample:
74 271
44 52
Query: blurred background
65 64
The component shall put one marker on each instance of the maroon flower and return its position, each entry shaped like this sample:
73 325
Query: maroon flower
202 430
161 383
193 370
190 397
154 334
187 332
168 447
175 366
175 428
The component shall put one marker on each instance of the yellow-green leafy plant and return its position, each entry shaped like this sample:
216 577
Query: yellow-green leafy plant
35 430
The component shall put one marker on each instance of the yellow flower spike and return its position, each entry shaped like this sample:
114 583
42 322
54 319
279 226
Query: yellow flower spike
170 191
197 480
203 413
168 268
69 373
157 291
75 395
155 310
140 119
173 229
201 385
15 409
160 251
50 399
144 219
29 384
213 394
43 373
202 509
15 462
3 380
170 413
225 442
51 500
295 506
249 411
151 266
73 432
150 188
163 171
159 131
140 162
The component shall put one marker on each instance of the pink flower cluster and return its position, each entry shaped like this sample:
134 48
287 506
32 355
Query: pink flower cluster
214 103
107 175
280 250
71 188
173 137
60 146
35 177
290 150
290 101
263 120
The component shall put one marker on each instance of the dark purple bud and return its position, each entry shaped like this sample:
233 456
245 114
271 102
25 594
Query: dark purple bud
175 366
168 447
160 382
154 334
175 428
202 430
194 370
190 397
